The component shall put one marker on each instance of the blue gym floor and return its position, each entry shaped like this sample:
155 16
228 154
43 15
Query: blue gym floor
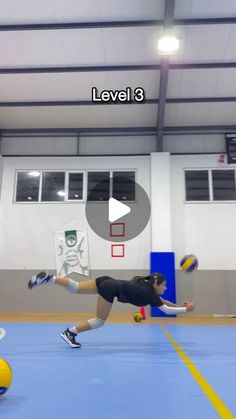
123 371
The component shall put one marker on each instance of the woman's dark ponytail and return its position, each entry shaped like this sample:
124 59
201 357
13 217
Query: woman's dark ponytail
154 278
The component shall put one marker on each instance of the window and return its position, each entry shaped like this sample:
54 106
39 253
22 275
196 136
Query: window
197 185
53 186
27 186
98 186
210 185
75 188
103 185
223 185
123 186
64 186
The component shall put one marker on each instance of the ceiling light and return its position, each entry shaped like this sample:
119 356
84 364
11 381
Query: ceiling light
168 45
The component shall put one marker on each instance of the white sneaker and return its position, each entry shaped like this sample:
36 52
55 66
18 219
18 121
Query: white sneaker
69 337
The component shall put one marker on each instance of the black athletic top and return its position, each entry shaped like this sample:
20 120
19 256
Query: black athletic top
138 294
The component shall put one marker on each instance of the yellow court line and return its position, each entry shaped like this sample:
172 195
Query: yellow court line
217 403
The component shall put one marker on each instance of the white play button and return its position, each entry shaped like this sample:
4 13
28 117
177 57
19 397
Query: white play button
117 210
134 213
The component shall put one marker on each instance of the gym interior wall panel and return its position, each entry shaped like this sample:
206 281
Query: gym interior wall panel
205 229
212 291
202 143
15 297
39 146
30 227
117 145
209 289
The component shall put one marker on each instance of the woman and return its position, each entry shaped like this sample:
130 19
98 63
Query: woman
140 291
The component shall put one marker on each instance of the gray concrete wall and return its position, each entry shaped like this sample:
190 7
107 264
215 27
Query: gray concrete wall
213 292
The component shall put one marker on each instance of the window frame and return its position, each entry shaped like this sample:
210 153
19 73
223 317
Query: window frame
67 172
185 194
111 171
98 171
65 201
67 186
16 183
223 200
210 180
52 171
124 171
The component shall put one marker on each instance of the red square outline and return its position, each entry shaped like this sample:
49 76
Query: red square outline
123 251
117 235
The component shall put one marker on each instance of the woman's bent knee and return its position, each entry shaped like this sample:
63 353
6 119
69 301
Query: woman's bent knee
96 323
72 286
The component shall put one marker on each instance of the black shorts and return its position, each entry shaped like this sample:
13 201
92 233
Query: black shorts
107 288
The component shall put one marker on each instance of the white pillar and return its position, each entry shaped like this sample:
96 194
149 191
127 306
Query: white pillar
1 172
161 240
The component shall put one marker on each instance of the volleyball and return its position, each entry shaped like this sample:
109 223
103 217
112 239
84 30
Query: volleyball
5 376
189 263
137 317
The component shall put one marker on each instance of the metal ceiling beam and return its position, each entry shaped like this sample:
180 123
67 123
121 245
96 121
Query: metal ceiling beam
199 129
202 66
74 135
80 155
169 17
80 25
113 24
205 21
78 69
109 68
51 135
162 103
76 131
129 131
71 103
45 103
201 100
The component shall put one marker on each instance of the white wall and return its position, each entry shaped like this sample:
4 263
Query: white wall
117 145
27 230
203 143
87 145
204 229
39 145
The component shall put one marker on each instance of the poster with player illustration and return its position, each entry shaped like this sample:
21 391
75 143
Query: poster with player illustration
71 248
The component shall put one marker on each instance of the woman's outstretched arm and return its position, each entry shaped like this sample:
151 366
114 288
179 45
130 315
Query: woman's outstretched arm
176 310
170 304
